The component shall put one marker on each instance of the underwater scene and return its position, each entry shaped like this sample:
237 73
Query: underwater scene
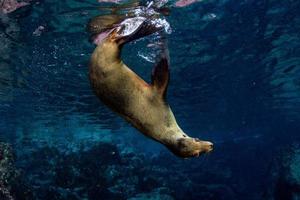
149 100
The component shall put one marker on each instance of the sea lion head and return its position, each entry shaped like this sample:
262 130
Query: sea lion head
190 147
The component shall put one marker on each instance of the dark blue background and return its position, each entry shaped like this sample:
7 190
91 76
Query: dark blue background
235 80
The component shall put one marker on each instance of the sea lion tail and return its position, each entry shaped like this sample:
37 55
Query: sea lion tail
135 28
102 23
120 28
101 26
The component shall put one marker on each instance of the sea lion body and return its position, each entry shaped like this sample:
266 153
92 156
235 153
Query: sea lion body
129 95
141 104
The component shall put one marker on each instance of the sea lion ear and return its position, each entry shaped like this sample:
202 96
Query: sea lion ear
161 76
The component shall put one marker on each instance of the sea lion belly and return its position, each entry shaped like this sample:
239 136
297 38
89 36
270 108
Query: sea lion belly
123 91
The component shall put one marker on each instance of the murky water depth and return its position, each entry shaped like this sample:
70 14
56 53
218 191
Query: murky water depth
235 80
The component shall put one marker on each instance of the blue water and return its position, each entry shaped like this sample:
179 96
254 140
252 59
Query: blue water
235 81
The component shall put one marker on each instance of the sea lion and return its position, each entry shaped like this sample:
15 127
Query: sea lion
143 105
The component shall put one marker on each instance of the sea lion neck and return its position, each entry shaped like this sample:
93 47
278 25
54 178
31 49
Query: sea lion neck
108 52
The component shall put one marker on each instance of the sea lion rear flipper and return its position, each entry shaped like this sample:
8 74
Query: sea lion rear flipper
161 75
135 28
103 23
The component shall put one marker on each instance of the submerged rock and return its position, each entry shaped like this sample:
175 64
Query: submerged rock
284 182
8 6
104 172
151 196
8 172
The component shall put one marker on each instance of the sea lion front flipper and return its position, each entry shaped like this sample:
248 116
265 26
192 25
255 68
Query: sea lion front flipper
161 75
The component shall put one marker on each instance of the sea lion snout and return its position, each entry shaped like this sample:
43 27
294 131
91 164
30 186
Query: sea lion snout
190 147
207 146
